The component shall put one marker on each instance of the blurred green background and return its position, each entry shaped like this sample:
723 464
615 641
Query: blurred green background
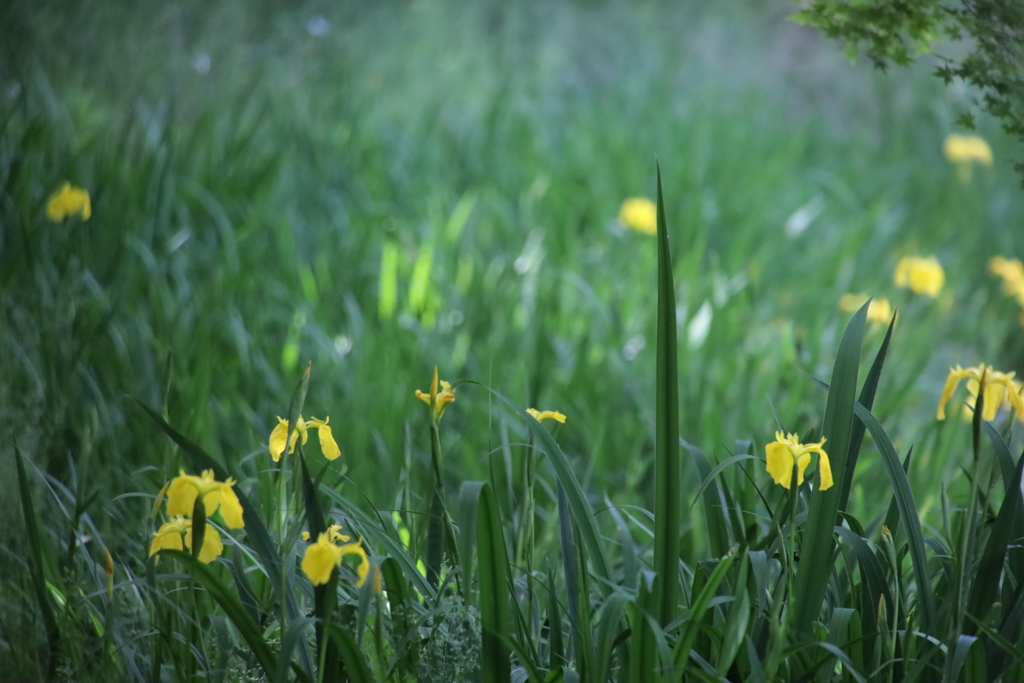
379 187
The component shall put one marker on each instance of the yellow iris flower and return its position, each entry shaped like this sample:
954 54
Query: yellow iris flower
997 387
639 214
177 535
786 450
1012 273
323 556
68 201
880 310
186 488
540 415
965 151
920 275
280 434
439 398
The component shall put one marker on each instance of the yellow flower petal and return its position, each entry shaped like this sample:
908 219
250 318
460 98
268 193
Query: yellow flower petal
993 398
320 560
824 471
779 463
278 437
639 214
68 201
230 507
364 564
967 149
539 415
182 494
212 545
168 537
442 396
952 381
327 443
920 275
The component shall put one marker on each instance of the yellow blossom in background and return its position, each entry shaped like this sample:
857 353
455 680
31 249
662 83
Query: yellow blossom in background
786 450
921 275
540 415
640 214
439 398
323 556
334 531
177 535
880 310
1012 273
997 387
186 488
965 151
68 201
279 435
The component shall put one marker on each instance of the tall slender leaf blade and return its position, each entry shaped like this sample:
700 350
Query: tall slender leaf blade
867 399
837 425
908 512
494 591
35 542
666 455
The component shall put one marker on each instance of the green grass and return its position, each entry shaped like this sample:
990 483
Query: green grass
431 184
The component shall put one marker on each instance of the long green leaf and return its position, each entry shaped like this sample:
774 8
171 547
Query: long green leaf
985 588
232 607
908 512
296 403
720 530
407 636
38 569
867 399
356 668
691 628
872 576
572 567
494 591
837 426
608 628
666 454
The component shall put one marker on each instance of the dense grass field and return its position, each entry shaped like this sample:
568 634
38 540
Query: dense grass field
379 189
